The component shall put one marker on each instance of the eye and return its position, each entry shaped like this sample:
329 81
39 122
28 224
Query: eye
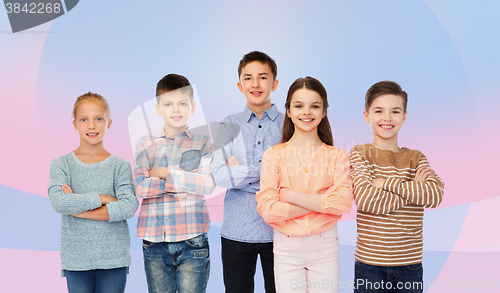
378 111
183 104
246 78
298 106
99 119
263 77
316 106
167 105
83 119
395 112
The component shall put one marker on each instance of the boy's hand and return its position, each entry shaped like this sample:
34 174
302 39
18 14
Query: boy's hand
423 173
159 172
105 199
379 183
283 193
232 161
65 187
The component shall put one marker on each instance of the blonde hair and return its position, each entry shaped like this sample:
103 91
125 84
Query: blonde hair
92 97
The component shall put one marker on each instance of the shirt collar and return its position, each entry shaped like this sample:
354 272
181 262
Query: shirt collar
272 113
186 132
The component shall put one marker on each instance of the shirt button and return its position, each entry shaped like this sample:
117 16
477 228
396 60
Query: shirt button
258 142
305 171
260 126
260 161
166 219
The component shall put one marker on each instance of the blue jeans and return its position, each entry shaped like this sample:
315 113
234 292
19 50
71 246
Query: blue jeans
97 281
378 279
239 261
181 267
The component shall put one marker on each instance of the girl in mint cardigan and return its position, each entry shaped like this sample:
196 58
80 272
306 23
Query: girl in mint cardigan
93 191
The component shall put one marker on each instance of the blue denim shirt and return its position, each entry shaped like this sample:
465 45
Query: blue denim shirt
246 137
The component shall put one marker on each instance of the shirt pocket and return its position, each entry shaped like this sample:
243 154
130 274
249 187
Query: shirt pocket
190 160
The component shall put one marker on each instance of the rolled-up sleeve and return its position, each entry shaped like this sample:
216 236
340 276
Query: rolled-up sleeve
268 204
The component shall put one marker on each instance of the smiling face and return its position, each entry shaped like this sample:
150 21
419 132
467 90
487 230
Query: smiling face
306 110
257 82
175 107
386 116
92 121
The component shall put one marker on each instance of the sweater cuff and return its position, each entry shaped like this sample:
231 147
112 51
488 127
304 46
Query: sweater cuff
94 201
113 211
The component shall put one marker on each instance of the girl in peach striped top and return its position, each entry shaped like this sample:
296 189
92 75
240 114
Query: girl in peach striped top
304 190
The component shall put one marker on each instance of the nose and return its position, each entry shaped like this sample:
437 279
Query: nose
176 108
255 83
91 124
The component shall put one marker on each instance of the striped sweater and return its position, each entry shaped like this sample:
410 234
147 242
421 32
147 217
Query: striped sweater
390 220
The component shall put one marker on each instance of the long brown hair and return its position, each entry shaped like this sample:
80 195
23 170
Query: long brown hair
324 129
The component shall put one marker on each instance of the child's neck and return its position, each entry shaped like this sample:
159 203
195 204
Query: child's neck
172 132
386 144
259 109
306 144
91 153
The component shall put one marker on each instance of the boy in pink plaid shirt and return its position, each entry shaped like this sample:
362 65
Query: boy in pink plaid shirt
172 173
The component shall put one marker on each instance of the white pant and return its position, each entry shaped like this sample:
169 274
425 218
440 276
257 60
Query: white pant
306 263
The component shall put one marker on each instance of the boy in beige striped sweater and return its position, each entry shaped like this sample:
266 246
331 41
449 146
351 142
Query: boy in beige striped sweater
392 186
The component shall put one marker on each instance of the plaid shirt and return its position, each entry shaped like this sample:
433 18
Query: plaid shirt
174 209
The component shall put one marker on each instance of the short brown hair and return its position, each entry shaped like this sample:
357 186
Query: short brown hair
385 87
171 82
92 97
324 129
262 58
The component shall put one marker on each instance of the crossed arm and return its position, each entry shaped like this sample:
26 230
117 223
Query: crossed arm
92 205
172 180
384 196
277 204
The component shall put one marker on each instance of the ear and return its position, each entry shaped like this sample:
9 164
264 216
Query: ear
404 117
193 107
157 109
74 124
367 119
240 87
109 122
275 85
288 113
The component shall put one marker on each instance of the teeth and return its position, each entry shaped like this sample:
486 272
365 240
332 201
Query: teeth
306 120
387 126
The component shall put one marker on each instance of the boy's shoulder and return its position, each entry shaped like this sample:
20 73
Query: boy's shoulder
370 153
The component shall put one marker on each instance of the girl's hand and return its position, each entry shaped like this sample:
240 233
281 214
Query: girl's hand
65 187
379 183
423 173
105 199
283 194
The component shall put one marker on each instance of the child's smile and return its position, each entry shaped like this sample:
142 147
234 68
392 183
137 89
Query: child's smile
386 117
